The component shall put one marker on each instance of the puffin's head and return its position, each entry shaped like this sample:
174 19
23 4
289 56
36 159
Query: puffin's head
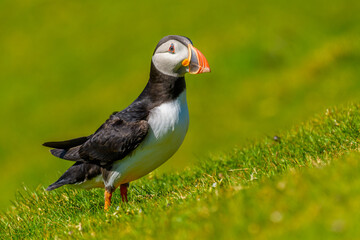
175 55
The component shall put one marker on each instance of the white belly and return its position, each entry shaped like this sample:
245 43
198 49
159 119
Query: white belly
168 126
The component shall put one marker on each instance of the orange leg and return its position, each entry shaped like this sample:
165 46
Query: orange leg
108 196
123 191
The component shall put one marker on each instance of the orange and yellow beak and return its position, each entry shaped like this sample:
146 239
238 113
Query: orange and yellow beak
196 61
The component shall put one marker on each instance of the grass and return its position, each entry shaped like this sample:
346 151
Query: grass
302 184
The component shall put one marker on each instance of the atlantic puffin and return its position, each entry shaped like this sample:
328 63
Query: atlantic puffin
135 141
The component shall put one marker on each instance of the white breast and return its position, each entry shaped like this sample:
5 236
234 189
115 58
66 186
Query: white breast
168 126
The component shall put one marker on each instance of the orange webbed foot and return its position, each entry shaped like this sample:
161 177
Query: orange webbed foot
108 195
123 191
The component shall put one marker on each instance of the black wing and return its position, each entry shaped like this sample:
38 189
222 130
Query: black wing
114 140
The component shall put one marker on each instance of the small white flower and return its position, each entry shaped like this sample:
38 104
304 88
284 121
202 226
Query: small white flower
276 217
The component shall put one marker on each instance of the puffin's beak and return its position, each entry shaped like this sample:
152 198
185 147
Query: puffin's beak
196 61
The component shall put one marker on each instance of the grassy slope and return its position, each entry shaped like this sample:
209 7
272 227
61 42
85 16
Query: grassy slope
64 68
304 185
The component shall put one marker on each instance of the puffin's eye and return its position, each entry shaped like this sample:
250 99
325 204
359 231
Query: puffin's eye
172 48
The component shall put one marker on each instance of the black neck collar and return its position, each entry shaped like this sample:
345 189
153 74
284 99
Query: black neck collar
161 87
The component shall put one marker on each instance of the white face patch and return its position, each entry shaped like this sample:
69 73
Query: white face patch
169 56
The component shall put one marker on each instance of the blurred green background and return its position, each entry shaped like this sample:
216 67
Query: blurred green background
65 66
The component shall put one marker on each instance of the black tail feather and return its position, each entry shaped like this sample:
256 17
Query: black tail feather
56 185
67 154
77 173
66 144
